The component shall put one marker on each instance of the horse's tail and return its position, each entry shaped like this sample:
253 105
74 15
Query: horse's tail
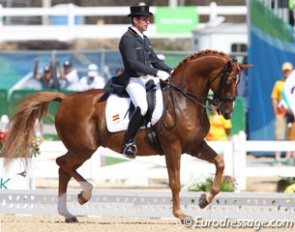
21 128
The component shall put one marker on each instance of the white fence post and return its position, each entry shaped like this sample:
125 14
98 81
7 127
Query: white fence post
239 160
228 157
71 19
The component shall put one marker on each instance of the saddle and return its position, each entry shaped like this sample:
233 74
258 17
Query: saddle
118 97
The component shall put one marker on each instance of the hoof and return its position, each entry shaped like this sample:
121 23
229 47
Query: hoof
203 202
72 220
188 221
81 199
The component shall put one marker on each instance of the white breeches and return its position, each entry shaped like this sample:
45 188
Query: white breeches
137 92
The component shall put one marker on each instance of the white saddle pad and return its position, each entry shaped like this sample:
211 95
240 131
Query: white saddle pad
117 111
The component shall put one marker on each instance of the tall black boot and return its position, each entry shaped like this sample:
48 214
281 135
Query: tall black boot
129 148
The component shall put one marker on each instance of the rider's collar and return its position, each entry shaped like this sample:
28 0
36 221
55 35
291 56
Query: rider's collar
135 31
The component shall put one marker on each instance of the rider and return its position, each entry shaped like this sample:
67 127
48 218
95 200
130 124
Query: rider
138 57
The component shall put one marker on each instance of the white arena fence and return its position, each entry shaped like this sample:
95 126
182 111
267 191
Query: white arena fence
152 204
144 169
138 203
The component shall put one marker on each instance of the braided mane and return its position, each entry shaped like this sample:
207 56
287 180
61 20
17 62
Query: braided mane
199 54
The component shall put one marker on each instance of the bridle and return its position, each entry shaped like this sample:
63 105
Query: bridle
217 99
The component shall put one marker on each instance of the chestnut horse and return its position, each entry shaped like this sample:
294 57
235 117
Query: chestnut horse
81 125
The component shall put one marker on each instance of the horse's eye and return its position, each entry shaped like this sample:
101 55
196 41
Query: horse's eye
229 81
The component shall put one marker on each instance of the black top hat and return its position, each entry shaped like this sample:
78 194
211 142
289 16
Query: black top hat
142 10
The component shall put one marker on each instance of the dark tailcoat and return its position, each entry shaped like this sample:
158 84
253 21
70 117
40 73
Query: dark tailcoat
139 57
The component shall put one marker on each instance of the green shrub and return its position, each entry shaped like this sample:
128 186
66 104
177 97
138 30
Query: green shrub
227 185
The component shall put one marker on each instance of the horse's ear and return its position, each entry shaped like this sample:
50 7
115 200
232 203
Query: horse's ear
245 66
229 65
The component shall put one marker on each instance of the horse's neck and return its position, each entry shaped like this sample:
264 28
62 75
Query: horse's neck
194 84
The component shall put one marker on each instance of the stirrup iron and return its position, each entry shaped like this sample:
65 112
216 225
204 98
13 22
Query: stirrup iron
129 150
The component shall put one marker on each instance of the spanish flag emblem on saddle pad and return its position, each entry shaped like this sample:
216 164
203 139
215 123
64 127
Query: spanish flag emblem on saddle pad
116 117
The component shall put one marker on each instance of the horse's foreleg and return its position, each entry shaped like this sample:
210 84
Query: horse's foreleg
173 167
207 153
208 197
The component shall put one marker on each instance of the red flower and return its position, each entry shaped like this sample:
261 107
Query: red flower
2 135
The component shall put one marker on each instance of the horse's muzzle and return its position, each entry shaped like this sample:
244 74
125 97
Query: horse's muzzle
227 115
225 110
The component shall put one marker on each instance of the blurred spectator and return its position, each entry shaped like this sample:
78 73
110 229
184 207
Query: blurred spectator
220 127
92 80
69 76
46 78
280 113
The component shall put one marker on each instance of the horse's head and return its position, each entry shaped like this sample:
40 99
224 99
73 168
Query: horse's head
225 87
205 70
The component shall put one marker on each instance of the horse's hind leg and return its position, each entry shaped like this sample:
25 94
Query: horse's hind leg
207 153
68 166
64 179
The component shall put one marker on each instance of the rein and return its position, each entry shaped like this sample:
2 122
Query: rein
171 87
189 95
